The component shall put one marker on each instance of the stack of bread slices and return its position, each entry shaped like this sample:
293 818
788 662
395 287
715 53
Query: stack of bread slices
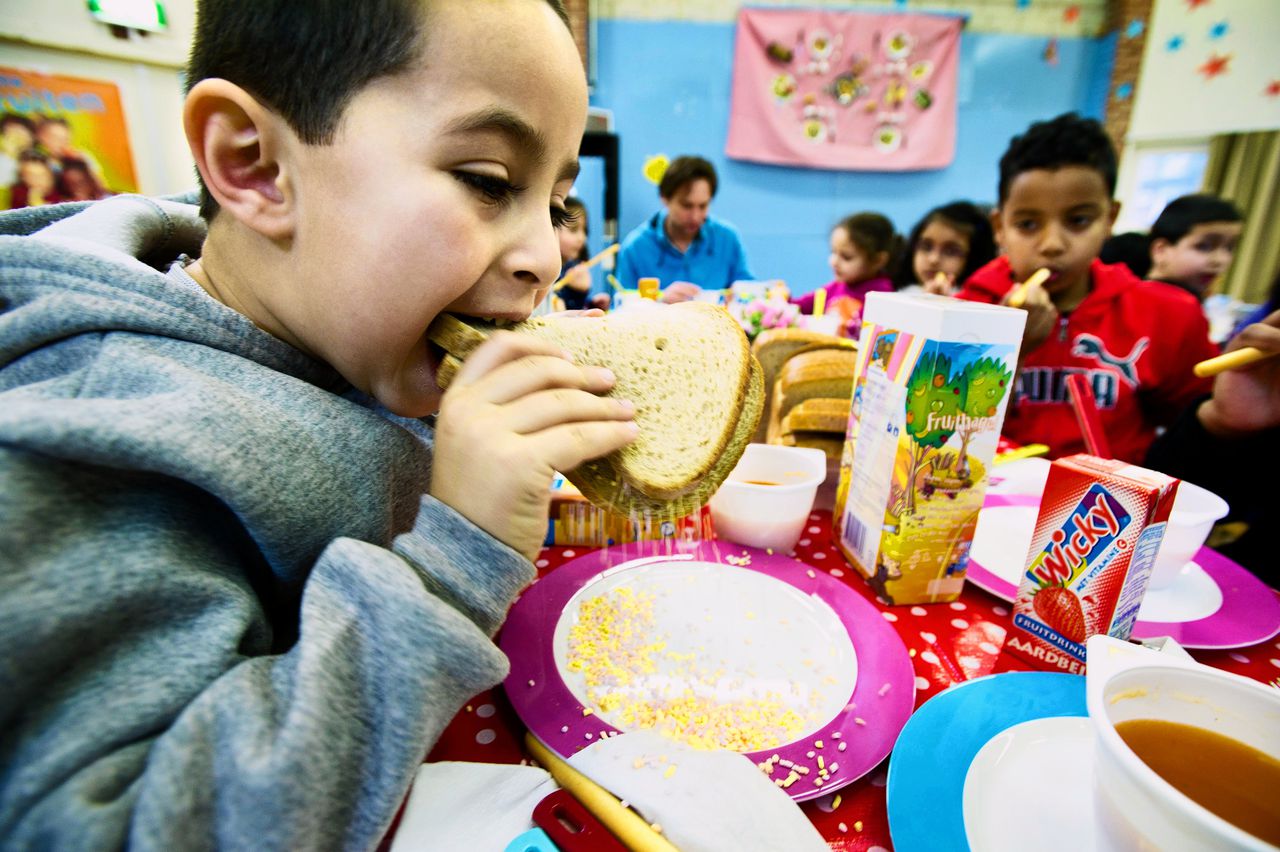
697 389
809 386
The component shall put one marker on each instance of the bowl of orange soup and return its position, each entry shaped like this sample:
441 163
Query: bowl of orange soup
766 500
1186 758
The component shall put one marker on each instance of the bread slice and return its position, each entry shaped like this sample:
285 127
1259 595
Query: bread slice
823 373
689 371
820 414
774 347
600 483
828 442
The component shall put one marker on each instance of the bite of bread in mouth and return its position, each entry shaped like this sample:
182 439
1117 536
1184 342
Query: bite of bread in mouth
698 394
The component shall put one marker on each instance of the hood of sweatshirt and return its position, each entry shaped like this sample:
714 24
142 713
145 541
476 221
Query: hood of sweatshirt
108 360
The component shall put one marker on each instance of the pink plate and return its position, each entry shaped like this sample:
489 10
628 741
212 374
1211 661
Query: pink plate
1214 604
790 630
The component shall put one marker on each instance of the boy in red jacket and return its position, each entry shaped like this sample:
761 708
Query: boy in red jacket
1135 340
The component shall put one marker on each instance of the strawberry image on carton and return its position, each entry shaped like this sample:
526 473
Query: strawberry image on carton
1100 527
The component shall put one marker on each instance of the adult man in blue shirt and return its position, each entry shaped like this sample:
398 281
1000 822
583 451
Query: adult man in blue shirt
682 245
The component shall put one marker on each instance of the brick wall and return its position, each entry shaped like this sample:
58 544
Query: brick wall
578 22
1128 64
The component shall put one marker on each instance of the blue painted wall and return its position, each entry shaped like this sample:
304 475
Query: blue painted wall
668 85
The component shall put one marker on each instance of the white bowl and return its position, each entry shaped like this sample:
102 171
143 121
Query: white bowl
1138 809
825 324
768 516
1195 511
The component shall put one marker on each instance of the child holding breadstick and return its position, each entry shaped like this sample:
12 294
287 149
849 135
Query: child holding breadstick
863 247
1136 342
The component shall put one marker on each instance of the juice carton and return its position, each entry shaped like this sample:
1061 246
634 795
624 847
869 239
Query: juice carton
574 521
931 384
1099 529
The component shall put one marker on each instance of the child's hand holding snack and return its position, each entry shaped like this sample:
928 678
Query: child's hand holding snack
941 284
517 411
1042 316
578 278
1247 399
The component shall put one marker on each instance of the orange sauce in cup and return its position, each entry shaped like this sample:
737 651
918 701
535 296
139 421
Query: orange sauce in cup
1235 781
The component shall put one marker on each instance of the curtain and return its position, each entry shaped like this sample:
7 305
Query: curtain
1245 168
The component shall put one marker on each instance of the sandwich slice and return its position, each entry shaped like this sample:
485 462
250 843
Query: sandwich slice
818 414
697 390
776 346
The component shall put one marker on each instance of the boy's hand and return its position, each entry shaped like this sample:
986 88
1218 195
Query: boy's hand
1042 317
941 284
517 411
579 278
680 291
1247 399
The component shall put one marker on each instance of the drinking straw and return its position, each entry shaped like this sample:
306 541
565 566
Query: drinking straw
614 282
587 264
1020 294
819 302
1231 360
636 834
1027 451
1086 409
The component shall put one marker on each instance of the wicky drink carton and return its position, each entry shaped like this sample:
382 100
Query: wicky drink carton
933 378
1099 529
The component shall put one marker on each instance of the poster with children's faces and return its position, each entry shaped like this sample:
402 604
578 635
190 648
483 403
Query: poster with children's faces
61 139
844 90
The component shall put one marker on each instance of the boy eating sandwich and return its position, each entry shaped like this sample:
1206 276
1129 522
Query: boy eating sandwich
245 583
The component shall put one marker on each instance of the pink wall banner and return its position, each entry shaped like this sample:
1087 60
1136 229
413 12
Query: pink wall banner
844 90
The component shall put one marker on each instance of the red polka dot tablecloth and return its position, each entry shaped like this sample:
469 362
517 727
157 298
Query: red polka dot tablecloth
948 643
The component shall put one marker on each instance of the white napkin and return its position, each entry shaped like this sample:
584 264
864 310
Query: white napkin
474 806
703 800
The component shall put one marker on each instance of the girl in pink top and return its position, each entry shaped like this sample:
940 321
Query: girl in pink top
864 247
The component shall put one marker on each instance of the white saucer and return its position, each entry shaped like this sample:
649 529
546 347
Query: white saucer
1191 596
1004 812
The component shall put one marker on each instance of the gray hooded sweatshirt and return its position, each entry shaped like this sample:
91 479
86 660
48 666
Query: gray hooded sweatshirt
230 616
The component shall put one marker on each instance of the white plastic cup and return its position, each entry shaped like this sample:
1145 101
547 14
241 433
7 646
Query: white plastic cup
1195 511
825 324
1136 808
768 516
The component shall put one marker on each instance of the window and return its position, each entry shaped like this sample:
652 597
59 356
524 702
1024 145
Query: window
1156 173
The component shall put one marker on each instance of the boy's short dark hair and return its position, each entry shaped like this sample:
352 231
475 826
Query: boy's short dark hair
1068 140
53 119
306 60
34 155
1182 214
1131 248
16 118
684 171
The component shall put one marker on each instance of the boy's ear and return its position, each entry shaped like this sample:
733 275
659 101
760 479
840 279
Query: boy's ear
997 226
1157 250
1115 214
238 145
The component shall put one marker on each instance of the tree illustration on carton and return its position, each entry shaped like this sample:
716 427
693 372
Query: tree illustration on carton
984 383
934 397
